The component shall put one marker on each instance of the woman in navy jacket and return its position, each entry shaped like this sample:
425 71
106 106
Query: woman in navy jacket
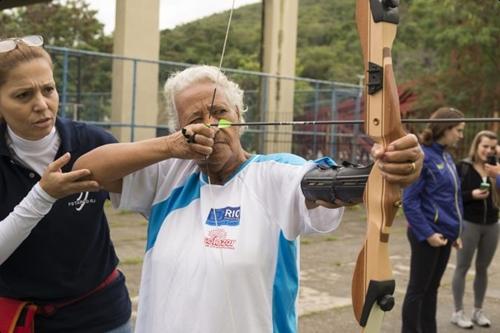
433 208
55 247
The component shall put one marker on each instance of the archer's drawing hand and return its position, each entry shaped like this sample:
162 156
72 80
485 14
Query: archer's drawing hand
401 161
193 142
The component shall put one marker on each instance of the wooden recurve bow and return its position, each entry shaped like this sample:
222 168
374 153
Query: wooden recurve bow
373 285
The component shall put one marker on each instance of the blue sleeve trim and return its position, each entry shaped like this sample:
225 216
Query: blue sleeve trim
284 158
285 288
180 198
325 161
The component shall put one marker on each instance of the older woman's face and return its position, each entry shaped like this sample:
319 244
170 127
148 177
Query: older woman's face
193 107
29 100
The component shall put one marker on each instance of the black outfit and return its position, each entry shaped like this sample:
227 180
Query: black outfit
475 211
427 266
69 252
479 237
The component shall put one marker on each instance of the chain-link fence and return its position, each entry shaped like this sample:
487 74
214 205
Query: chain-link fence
84 82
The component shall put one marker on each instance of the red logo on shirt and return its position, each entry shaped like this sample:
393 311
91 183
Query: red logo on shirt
218 238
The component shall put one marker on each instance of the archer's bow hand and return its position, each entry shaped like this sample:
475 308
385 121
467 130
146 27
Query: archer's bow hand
401 161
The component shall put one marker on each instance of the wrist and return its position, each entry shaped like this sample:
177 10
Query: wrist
168 146
42 194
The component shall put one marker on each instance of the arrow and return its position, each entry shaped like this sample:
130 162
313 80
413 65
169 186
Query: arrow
223 123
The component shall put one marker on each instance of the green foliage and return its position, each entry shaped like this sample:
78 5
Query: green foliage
447 51
73 25
326 34
200 42
327 41
450 49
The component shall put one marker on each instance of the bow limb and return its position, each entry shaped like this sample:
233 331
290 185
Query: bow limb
373 284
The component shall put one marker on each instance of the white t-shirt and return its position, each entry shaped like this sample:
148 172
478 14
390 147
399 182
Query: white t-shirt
222 258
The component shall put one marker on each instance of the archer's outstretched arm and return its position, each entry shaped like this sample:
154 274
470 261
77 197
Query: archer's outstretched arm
110 163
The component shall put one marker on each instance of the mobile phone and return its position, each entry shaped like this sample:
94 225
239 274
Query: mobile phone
492 160
484 186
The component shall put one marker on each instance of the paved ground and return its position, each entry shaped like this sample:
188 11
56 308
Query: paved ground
327 263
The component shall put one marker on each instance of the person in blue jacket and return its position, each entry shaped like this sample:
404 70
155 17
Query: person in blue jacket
55 246
433 208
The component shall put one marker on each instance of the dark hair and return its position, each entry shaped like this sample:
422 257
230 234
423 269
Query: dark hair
21 54
435 131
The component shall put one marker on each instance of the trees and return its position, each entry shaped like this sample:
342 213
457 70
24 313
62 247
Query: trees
70 24
447 51
450 50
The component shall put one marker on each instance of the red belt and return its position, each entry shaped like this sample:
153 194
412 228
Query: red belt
50 309
18 316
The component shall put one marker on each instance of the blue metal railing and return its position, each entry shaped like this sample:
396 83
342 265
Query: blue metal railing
86 86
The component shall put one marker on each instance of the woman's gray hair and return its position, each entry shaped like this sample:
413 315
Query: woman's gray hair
201 73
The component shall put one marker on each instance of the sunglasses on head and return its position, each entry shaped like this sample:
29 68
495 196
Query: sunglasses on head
10 44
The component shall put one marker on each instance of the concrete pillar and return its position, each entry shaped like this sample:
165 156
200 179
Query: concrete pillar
279 50
136 35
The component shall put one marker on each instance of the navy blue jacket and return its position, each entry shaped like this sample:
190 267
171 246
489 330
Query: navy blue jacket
433 204
69 252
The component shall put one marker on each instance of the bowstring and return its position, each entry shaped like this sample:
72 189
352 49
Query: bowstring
221 253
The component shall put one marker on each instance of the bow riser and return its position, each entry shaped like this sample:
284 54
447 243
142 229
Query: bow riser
373 284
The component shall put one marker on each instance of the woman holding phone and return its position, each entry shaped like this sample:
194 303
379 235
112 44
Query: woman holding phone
480 232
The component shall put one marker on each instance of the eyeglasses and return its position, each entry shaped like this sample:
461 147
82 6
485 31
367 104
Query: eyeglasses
10 44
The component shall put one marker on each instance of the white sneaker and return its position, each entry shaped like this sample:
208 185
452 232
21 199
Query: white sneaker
480 319
458 318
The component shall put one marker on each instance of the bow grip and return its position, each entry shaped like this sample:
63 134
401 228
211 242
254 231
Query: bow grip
345 182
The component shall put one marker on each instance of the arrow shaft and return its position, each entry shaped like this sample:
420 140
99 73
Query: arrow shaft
358 122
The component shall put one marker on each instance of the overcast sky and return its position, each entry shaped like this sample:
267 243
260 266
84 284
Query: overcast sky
172 12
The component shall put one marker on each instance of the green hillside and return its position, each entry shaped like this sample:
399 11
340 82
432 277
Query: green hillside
327 46
448 50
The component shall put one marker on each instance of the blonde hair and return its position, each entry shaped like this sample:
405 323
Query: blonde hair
477 140
21 54
472 156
